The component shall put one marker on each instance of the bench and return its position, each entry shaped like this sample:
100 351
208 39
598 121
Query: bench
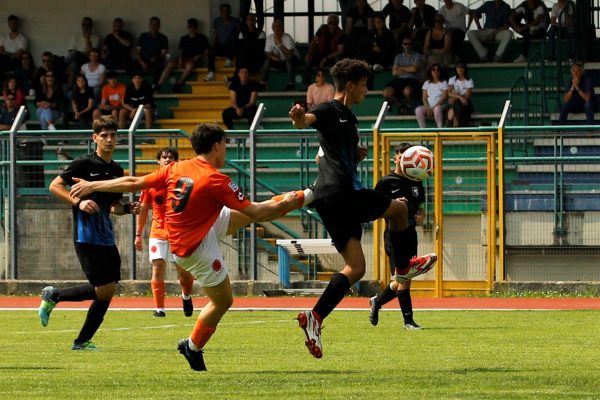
286 247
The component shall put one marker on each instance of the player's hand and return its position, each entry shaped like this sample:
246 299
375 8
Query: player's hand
419 218
402 200
362 153
135 207
297 113
138 243
89 206
81 188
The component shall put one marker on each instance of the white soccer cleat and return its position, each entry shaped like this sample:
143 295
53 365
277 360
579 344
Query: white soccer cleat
312 329
417 266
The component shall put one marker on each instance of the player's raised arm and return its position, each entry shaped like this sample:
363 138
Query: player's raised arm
300 119
82 188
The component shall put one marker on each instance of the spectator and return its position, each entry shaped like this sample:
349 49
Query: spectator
320 91
258 10
496 13
251 45
49 100
53 63
225 31
12 87
7 116
438 44
117 47
421 20
405 88
80 45
94 73
137 93
579 96
460 89
435 94
12 46
280 52
151 51
25 72
359 21
111 100
454 18
561 24
399 18
530 19
383 48
82 103
325 48
242 94
193 47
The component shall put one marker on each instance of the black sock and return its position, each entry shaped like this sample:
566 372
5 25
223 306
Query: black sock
385 297
77 293
333 294
94 319
406 305
400 243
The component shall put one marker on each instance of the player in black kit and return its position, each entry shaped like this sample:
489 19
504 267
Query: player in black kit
92 233
398 186
341 201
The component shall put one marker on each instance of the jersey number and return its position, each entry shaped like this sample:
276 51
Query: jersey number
183 189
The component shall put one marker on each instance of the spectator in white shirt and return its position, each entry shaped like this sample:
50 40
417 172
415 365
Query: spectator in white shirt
280 52
460 89
435 93
561 24
12 46
454 19
80 46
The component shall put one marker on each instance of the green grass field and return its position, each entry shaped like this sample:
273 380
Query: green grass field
261 355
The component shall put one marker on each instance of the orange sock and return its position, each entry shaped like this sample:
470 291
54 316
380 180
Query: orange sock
186 285
299 204
158 292
201 333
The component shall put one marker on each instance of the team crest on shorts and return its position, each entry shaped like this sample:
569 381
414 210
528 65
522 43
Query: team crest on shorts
217 266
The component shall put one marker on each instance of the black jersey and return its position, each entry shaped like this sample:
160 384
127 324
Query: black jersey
338 136
397 186
94 228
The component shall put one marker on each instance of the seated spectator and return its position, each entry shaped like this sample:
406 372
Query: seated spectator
280 53
320 91
12 87
117 47
325 48
496 27
94 73
251 45
438 44
25 72
530 20
579 96
435 94
561 24
421 20
242 94
399 18
82 103
111 100
460 89
151 51
12 46
48 101
193 48
454 19
225 31
405 89
359 21
383 48
9 113
53 63
79 48
137 93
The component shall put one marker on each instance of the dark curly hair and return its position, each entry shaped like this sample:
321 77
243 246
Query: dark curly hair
105 122
169 150
349 70
204 136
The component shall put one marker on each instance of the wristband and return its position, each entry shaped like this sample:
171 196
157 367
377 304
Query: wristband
127 208
137 235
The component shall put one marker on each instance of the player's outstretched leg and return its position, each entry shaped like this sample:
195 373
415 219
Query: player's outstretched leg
305 197
47 304
310 324
417 266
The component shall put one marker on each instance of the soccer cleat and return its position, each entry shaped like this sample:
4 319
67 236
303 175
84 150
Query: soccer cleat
159 314
188 307
47 304
417 266
84 346
312 329
412 326
209 77
374 313
195 358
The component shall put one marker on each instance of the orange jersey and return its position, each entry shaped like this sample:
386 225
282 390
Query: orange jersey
157 198
114 95
196 193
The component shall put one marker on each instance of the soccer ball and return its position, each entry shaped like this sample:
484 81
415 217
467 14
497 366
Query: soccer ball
416 163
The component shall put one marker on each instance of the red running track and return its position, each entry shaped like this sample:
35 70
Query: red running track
348 303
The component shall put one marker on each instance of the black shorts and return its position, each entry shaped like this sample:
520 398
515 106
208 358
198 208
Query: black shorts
398 84
343 213
411 245
101 264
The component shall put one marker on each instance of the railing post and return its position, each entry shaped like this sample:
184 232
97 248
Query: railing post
377 162
132 218
501 234
252 136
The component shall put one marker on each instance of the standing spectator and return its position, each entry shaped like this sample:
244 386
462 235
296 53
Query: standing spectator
193 47
251 45
280 52
454 18
404 90
399 19
82 103
151 50
225 31
137 93
117 47
49 100
435 94
111 100
421 20
12 87
561 24
12 46
496 27
530 19
320 91
579 96
438 44
94 73
460 89
383 48
25 72
325 48
80 45
242 94
359 21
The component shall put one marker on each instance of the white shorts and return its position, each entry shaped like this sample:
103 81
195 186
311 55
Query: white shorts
159 249
206 263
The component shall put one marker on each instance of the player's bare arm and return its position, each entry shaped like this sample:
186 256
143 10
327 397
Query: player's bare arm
269 210
119 208
300 119
82 188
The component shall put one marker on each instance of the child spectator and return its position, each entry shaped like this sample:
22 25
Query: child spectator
111 100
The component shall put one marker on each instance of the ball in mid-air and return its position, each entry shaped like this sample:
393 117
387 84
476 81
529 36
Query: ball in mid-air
416 163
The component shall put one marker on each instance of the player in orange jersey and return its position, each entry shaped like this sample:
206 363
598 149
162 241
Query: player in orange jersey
158 243
203 205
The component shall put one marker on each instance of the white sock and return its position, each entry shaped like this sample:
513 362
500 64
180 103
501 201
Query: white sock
193 347
186 297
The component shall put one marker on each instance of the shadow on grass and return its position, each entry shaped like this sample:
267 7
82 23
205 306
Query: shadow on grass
30 367
464 371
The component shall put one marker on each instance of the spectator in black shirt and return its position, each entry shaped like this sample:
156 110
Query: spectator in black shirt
138 93
151 50
359 21
399 18
422 20
7 117
117 47
242 93
82 103
383 49
325 48
251 45
579 96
